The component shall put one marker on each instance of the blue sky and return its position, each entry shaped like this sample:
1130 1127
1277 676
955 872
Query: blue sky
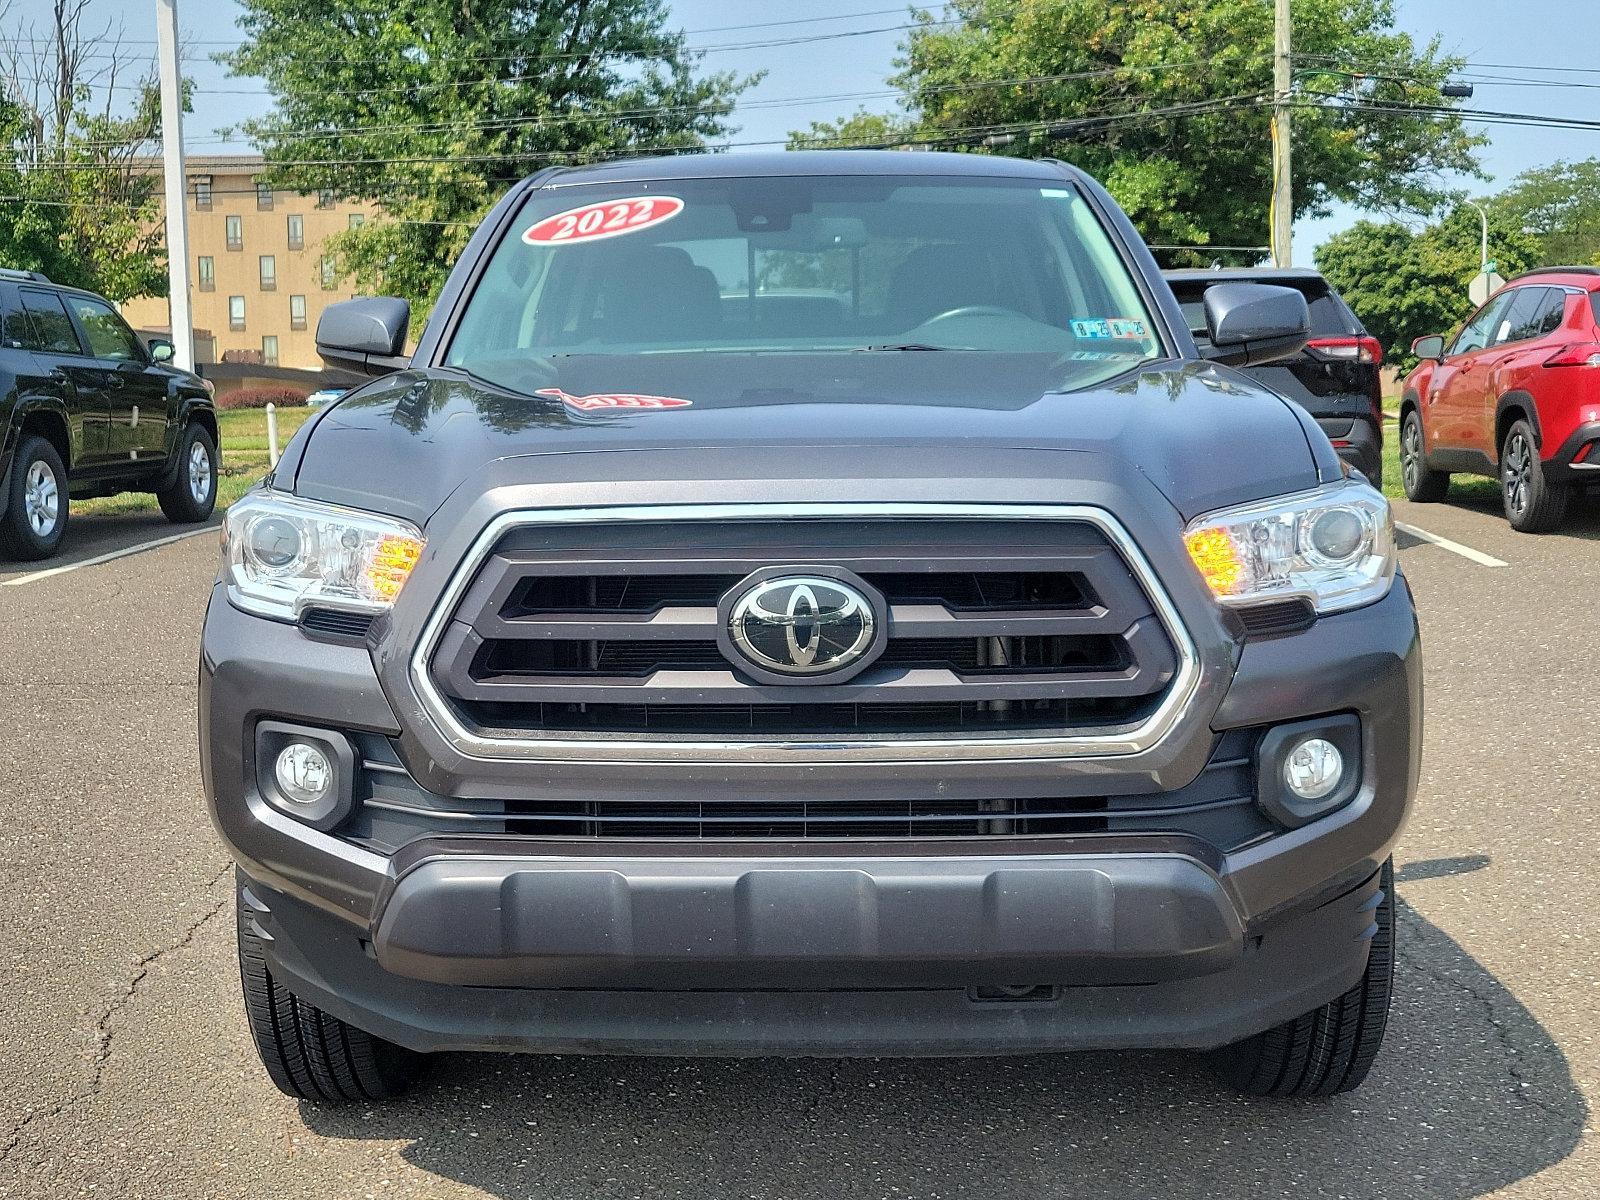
1482 31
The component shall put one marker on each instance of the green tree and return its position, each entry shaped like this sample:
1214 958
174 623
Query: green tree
433 108
1560 206
861 128
79 195
1165 101
1404 285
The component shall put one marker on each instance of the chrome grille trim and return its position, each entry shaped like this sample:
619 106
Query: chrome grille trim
866 750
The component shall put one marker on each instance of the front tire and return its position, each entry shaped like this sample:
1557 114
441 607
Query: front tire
36 503
1330 1049
308 1053
1421 482
192 494
1533 504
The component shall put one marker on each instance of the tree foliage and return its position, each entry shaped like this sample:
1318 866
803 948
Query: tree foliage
1404 285
1165 101
433 108
81 196
1560 206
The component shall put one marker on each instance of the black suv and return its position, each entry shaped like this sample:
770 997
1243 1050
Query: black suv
811 603
87 409
1335 377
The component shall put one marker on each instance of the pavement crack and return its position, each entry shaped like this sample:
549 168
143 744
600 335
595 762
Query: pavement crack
105 1025
1522 1086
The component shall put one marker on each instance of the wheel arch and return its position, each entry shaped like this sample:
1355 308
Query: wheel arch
48 421
1511 407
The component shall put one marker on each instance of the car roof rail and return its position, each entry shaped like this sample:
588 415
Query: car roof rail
28 276
1580 270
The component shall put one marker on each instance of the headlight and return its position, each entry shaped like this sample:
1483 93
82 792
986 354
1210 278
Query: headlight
1334 546
282 555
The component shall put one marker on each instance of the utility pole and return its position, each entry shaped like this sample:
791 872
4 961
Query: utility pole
178 320
1483 245
1282 84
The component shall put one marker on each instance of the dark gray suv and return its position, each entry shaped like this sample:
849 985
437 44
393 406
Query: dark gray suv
812 604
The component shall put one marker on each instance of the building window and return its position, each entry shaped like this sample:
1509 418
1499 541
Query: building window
324 197
208 273
235 226
329 278
202 192
357 220
297 232
297 312
269 273
235 312
263 195
269 349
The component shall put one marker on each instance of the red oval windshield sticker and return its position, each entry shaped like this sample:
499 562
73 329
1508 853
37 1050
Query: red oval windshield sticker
607 219
603 400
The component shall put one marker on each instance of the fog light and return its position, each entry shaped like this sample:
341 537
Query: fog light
1313 769
304 774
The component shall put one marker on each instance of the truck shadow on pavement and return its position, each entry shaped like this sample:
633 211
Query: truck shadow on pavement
1470 1095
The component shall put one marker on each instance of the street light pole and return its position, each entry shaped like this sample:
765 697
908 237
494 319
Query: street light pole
179 320
1282 189
1483 252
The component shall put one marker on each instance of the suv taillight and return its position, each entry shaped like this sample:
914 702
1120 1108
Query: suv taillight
1584 354
1347 349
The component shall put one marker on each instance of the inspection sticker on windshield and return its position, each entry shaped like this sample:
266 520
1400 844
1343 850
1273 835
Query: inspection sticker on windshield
1100 327
602 401
607 219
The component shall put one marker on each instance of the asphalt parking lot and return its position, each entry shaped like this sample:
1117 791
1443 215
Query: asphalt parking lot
125 1069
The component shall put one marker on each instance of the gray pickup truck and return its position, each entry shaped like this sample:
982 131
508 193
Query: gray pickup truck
812 604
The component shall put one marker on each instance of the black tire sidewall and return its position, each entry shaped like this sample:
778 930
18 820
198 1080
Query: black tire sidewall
177 501
17 537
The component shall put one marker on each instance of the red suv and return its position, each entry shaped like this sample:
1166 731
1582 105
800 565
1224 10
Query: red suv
1515 394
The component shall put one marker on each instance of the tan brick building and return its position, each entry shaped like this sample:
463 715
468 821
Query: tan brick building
259 277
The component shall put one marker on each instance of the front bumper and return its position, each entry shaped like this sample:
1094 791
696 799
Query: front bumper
1302 962
536 944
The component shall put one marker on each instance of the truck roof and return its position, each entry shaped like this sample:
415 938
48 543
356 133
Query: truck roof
808 162
1289 275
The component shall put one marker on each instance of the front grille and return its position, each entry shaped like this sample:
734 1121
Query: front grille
994 628
1217 806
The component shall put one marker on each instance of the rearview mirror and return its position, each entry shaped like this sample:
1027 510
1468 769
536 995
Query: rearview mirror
161 350
1431 346
1252 323
366 335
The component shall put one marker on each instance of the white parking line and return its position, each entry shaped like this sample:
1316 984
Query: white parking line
1466 552
105 558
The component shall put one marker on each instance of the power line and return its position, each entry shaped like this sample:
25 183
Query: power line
717 108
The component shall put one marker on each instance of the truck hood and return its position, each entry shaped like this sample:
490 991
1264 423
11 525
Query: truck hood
1205 436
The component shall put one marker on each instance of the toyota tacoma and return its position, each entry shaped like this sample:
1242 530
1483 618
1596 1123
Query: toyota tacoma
812 604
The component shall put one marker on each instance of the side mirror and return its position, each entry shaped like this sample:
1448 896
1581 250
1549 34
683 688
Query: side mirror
366 335
1431 346
161 350
1252 323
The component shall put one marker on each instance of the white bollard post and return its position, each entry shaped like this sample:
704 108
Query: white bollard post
272 435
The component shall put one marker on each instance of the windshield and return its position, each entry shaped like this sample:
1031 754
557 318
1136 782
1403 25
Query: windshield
806 265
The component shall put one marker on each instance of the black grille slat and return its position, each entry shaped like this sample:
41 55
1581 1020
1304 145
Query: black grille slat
1218 805
1034 626
334 622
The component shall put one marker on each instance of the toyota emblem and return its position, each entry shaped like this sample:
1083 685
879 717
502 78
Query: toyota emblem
802 625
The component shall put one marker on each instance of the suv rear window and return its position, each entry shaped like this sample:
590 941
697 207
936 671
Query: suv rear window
804 264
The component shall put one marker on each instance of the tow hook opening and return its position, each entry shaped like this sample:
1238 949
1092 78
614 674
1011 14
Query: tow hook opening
1013 993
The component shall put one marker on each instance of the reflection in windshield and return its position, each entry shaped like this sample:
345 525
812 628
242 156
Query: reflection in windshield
807 266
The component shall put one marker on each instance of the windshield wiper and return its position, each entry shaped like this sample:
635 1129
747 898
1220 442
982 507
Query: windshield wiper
902 346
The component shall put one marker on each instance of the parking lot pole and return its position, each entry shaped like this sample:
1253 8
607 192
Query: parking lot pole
1282 189
179 321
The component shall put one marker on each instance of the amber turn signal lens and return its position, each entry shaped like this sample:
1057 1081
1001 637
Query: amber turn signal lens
1213 552
392 563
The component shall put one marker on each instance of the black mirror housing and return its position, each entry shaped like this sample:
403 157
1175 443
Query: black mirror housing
366 335
1431 346
1252 323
